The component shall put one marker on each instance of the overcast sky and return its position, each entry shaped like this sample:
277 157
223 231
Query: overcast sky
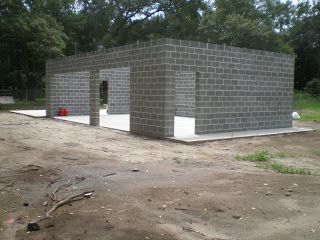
294 1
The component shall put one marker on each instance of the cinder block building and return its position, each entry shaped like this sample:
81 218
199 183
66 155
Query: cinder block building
223 88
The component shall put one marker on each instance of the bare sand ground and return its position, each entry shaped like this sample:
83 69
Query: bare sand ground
180 192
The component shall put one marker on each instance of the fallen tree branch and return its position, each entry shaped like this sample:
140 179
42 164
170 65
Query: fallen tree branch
29 168
60 204
79 179
181 209
63 186
110 174
65 201
50 194
33 225
69 158
52 182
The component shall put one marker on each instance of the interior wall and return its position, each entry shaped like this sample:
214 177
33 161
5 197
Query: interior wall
70 91
185 94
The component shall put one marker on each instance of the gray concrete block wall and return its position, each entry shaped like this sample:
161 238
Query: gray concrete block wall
118 89
236 89
94 97
152 101
185 87
48 92
151 114
70 91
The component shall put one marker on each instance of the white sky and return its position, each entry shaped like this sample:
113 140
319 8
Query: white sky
297 1
294 1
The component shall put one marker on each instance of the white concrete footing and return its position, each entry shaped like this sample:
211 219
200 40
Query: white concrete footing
184 130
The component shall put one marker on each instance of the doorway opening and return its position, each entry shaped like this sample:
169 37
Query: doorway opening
185 91
115 98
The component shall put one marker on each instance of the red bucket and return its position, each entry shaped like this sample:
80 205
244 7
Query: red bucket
63 112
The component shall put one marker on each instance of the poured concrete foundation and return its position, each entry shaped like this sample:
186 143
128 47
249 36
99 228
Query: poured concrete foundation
184 130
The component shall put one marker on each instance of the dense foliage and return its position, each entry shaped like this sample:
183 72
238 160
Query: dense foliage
313 87
34 30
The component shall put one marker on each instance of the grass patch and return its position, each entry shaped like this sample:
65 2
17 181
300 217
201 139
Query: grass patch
265 160
303 101
316 152
259 156
310 116
280 155
281 168
307 106
38 103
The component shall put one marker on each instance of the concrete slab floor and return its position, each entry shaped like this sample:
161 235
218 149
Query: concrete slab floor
192 139
184 126
184 130
114 121
31 113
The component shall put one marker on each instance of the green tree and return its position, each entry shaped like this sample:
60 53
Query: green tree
304 37
243 23
32 31
277 14
183 18
28 36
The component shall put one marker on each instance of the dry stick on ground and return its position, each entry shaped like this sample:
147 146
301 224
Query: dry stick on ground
63 186
51 195
52 182
79 179
29 168
109 174
68 184
61 203
59 188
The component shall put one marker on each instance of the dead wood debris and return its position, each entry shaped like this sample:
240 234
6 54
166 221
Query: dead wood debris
181 209
52 182
60 187
174 170
69 158
33 225
110 174
51 194
29 168
63 202
189 229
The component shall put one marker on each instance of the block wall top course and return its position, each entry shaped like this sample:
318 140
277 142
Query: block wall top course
162 51
210 46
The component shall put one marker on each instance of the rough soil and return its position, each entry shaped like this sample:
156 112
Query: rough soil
180 191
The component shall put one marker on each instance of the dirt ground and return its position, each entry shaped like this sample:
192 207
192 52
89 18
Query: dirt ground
178 191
